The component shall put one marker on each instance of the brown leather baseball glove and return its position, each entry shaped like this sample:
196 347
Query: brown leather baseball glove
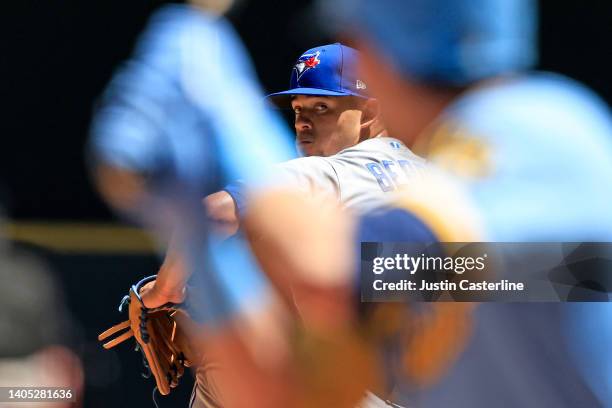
163 341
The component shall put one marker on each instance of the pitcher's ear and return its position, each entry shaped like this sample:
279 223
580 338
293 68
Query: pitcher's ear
370 112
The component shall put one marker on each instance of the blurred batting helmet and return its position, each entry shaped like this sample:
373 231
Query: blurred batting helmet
450 42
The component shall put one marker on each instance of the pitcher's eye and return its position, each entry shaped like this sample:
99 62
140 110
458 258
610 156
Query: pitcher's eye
321 107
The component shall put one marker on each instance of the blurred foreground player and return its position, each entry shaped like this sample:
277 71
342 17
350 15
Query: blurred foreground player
166 134
526 156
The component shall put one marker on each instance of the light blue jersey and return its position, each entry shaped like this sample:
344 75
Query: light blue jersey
186 111
544 145
534 156
529 159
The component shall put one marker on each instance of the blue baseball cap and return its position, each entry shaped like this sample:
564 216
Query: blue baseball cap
328 70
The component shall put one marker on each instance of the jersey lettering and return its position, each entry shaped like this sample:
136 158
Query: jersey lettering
383 180
389 167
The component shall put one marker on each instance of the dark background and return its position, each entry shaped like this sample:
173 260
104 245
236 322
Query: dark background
56 57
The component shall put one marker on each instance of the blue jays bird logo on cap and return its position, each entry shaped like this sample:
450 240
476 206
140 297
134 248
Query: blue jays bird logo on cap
306 62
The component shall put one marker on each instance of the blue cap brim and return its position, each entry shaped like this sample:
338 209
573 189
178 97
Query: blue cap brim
284 96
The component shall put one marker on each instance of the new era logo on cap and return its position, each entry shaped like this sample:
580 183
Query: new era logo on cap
328 70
